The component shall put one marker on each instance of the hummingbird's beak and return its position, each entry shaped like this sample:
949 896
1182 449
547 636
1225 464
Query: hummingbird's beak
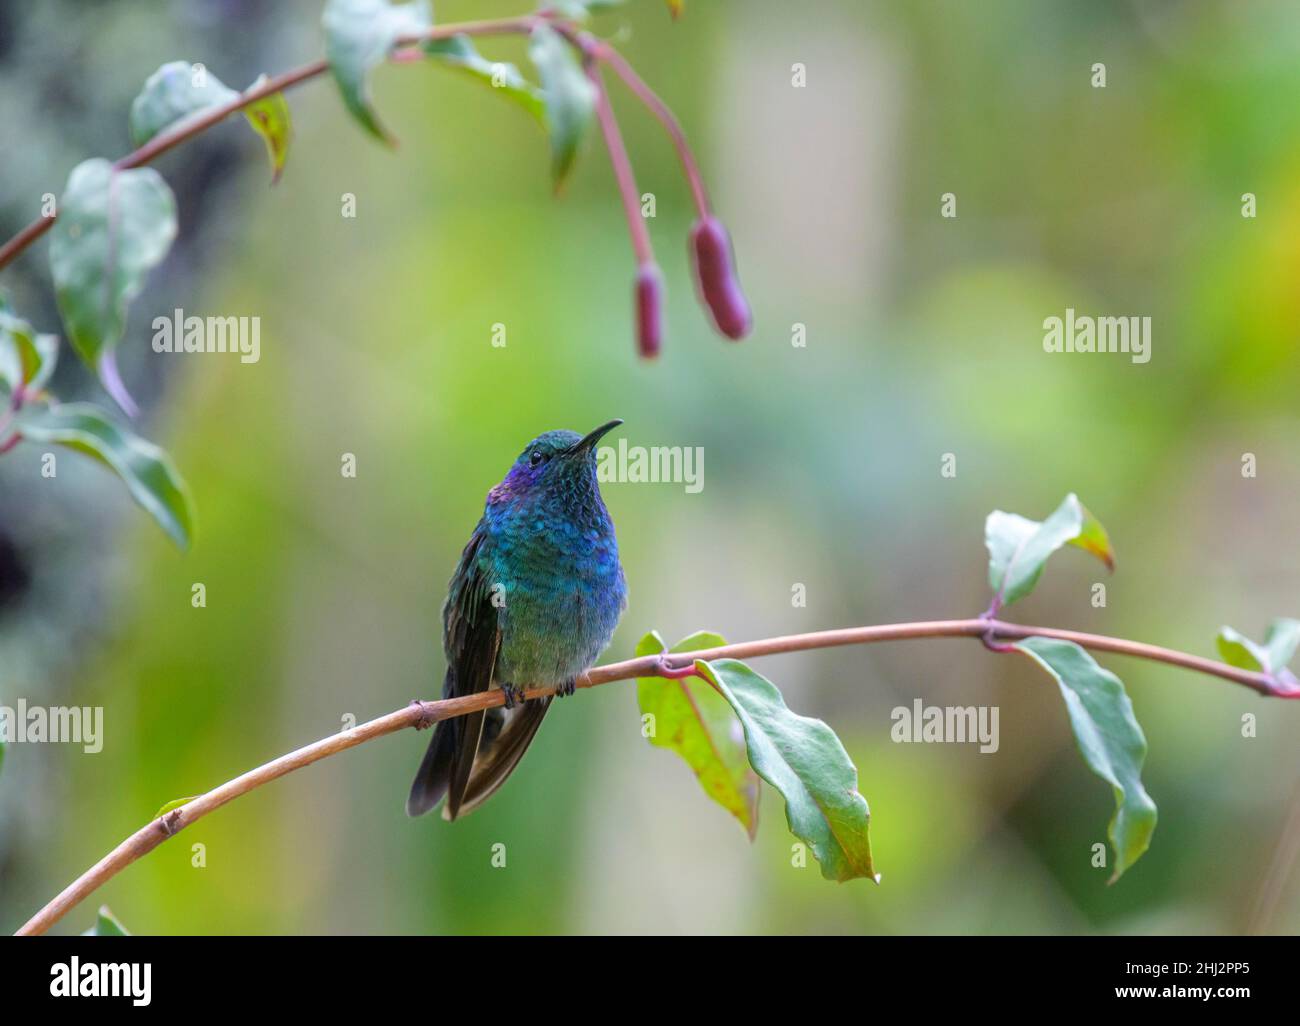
589 443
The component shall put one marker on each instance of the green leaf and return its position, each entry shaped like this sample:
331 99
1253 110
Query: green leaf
174 92
1019 548
175 803
113 227
1238 650
358 35
270 119
179 90
1280 642
27 358
1109 738
146 470
568 94
459 52
804 760
107 925
695 721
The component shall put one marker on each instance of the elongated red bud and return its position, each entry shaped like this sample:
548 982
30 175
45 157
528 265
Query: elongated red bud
716 281
649 310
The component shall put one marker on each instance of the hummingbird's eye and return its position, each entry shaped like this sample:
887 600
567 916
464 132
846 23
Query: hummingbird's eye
536 457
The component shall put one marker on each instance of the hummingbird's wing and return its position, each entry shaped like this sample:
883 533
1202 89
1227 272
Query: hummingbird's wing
472 639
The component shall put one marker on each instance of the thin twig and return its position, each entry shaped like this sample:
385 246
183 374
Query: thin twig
606 53
190 127
622 169
421 714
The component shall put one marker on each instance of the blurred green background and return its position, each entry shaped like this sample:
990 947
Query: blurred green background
822 464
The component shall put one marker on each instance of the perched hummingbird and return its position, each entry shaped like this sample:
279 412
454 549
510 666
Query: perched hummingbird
535 598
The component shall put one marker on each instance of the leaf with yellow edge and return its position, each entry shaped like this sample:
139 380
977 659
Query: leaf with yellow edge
1019 548
690 718
270 119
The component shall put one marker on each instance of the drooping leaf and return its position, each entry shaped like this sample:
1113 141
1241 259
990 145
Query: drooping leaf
568 94
106 925
113 227
693 720
459 52
804 760
358 35
173 93
1280 643
27 358
270 119
1019 548
175 803
1109 738
145 469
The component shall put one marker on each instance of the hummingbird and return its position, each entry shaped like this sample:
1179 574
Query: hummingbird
534 600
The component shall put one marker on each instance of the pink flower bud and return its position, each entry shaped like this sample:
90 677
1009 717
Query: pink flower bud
649 310
715 279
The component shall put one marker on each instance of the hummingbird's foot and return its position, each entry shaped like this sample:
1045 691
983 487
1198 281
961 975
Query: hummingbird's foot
425 721
513 695
567 688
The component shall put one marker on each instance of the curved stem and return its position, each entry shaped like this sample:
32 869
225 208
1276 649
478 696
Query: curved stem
607 54
23 239
622 169
190 127
422 714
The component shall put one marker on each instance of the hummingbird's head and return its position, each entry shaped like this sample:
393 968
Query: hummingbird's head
554 461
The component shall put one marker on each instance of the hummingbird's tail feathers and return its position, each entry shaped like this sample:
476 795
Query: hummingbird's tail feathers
468 733
431 779
499 761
